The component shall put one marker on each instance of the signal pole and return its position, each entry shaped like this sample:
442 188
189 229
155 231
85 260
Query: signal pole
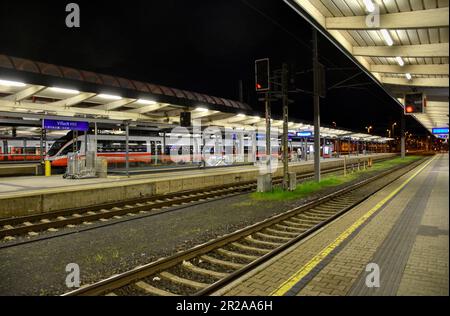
268 130
284 88
316 108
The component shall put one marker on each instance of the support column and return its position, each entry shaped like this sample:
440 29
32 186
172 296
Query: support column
316 109
127 150
402 136
285 127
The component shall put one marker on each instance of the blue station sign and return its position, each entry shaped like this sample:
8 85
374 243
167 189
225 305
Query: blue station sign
304 134
440 130
66 125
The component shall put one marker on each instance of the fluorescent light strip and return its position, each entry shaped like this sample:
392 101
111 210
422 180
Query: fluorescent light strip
200 109
369 5
148 102
408 76
63 90
109 96
400 61
10 83
387 37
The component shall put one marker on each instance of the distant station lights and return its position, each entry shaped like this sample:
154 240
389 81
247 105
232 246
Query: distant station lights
262 75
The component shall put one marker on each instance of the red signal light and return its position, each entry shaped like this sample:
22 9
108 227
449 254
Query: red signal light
409 109
258 86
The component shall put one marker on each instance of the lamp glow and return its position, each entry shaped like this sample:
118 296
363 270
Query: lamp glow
387 37
408 76
109 96
400 61
369 5
147 102
201 109
63 90
10 83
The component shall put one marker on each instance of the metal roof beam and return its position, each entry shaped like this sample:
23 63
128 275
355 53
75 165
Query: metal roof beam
416 82
432 18
114 105
71 111
424 50
412 69
148 108
73 100
24 94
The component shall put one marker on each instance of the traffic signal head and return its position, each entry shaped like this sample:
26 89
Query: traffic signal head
262 75
414 103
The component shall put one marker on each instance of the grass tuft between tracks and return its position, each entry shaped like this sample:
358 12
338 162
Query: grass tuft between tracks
308 187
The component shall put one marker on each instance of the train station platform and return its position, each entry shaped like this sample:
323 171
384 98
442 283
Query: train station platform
394 243
30 195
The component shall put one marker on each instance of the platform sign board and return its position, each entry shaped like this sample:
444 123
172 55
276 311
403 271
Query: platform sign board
440 131
304 134
65 125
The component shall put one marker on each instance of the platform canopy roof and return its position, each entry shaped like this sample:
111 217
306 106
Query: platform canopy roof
402 44
34 90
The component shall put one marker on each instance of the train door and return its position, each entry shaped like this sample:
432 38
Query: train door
4 150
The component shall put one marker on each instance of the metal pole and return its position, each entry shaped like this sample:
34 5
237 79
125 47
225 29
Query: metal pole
316 108
95 141
268 131
402 136
85 142
285 127
41 143
127 158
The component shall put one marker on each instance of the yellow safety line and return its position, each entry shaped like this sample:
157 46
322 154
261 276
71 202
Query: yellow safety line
306 269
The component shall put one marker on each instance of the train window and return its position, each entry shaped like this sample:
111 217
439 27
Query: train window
108 146
57 145
30 150
69 149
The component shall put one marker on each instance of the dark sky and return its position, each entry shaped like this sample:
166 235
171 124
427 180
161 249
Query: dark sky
199 45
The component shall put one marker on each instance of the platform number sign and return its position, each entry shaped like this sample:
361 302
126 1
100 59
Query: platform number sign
262 75
414 103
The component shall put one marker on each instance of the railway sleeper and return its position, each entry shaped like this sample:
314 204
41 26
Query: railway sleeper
272 237
270 244
233 254
314 215
260 251
149 289
206 272
290 228
281 232
182 281
309 221
223 263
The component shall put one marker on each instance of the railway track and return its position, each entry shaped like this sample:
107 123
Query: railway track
69 218
208 267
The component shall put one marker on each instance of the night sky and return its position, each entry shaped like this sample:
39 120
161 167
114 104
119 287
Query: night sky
200 45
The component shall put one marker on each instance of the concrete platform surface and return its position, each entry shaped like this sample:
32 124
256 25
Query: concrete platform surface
29 195
394 243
